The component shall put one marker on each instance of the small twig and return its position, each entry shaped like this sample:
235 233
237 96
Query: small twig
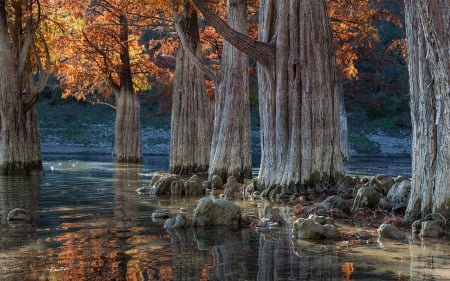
103 103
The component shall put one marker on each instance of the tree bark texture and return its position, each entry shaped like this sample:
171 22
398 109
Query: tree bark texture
428 38
127 133
192 110
298 97
19 136
231 143
298 93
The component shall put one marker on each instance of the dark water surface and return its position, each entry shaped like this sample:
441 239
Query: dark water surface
90 224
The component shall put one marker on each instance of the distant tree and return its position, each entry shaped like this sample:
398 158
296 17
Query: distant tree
297 92
101 55
361 56
354 25
428 38
231 147
24 60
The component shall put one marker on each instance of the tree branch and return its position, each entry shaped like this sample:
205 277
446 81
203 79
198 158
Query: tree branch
103 103
260 51
31 29
186 45
35 88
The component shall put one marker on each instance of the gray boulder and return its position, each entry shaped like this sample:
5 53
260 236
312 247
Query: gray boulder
161 214
193 186
177 188
335 202
330 231
383 182
391 232
217 212
179 221
162 184
367 197
312 228
431 229
19 214
398 195
216 182
273 216
231 188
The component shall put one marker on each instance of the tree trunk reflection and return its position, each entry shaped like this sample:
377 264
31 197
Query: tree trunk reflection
17 192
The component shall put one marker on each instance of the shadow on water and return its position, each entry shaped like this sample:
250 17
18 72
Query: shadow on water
88 223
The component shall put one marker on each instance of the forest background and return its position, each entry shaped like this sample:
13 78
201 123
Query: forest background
376 101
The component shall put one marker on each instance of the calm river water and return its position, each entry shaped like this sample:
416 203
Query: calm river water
90 224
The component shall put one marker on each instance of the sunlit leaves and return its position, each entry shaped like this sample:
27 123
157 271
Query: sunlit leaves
354 26
91 47
86 44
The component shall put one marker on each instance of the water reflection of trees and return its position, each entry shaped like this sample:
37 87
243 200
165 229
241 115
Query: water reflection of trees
16 238
209 254
430 260
90 242
112 246
281 259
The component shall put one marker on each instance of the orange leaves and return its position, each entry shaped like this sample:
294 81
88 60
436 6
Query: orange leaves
86 39
353 24
101 41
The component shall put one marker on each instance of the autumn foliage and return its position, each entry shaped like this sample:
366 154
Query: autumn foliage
354 26
89 45
86 44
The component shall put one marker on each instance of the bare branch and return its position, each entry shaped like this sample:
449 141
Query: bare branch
103 103
260 51
186 45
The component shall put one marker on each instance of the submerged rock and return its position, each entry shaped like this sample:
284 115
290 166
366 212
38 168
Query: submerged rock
367 197
382 182
19 214
216 182
231 188
177 188
430 226
314 227
398 195
217 212
391 232
179 221
273 216
335 202
193 186
161 214
432 229
161 184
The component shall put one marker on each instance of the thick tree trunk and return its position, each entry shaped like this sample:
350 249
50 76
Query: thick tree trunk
33 139
299 102
429 67
192 110
298 92
19 135
231 144
127 139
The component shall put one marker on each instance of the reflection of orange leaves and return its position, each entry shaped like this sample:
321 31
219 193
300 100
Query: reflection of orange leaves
347 269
